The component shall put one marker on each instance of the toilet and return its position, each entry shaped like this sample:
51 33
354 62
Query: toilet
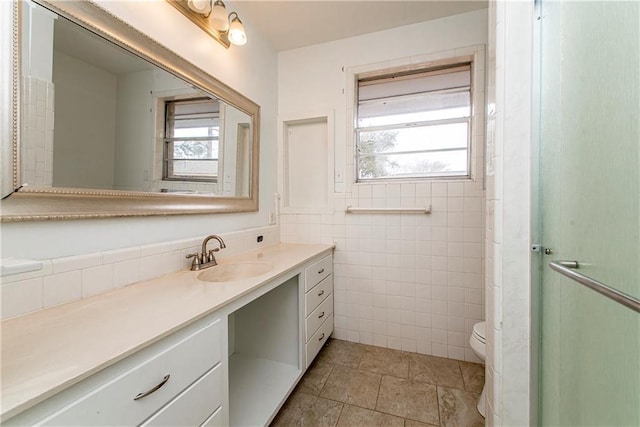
478 344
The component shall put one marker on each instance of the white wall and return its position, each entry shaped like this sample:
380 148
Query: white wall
135 136
83 153
407 281
509 373
251 69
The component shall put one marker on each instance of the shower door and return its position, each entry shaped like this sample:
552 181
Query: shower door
588 208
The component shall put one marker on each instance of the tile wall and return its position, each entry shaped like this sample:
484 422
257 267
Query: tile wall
67 279
37 132
493 371
508 287
404 281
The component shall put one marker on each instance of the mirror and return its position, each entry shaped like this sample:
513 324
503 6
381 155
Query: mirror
106 132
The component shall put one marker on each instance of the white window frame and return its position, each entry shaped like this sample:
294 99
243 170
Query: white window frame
471 54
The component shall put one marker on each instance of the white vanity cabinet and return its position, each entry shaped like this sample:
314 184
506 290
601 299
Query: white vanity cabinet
176 381
233 364
318 306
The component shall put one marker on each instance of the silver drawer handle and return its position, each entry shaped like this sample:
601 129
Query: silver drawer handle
321 271
154 389
321 315
321 337
321 293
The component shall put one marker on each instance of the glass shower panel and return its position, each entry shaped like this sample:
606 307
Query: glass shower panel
590 210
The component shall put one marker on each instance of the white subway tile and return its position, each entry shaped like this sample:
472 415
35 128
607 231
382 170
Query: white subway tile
380 340
438 189
423 347
150 267
439 350
454 352
455 189
78 262
46 269
116 255
21 297
126 272
439 336
62 288
96 280
394 342
409 345
439 322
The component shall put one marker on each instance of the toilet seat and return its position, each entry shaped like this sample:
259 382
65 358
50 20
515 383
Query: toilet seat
480 332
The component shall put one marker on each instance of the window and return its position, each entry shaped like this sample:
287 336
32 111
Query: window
414 124
191 145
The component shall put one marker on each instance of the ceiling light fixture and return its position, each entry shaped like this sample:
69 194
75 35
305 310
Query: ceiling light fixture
212 17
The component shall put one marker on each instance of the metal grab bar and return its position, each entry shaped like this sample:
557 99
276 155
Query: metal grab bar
426 210
567 268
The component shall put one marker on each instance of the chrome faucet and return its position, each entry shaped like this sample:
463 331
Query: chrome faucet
206 259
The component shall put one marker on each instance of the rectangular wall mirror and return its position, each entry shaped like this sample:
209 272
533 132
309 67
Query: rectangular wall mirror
110 123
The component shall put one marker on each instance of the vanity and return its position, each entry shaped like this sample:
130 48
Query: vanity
176 350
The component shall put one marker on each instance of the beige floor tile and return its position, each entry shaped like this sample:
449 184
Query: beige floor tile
409 399
473 376
352 386
385 361
458 408
352 416
302 409
435 370
340 352
315 378
413 423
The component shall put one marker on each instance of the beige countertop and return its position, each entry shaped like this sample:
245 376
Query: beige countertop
46 352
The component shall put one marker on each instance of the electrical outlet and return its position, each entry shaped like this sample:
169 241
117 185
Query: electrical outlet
272 218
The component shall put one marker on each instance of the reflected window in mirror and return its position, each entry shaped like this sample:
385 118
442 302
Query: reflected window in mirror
192 140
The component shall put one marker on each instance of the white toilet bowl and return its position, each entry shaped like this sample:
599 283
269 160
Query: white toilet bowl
478 344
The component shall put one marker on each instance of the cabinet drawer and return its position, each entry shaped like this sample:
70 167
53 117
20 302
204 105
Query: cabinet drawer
112 403
319 315
316 295
215 420
318 339
318 271
194 405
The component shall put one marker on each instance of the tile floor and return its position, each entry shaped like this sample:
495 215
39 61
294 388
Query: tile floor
352 384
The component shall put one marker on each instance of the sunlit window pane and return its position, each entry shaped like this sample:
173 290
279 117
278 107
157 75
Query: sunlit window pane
447 163
419 138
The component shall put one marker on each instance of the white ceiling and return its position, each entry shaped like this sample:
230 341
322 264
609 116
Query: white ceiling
297 23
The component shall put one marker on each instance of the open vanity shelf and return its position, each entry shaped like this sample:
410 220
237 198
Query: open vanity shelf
264 354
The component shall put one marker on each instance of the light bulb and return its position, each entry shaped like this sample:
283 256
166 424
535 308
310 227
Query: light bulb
218 18
200 6
237 35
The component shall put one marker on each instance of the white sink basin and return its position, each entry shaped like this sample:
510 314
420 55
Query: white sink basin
233 271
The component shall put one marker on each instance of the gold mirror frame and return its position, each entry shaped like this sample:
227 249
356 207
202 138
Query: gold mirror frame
43 203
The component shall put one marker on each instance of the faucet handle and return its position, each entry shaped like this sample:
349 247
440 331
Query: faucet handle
195 264
212 258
